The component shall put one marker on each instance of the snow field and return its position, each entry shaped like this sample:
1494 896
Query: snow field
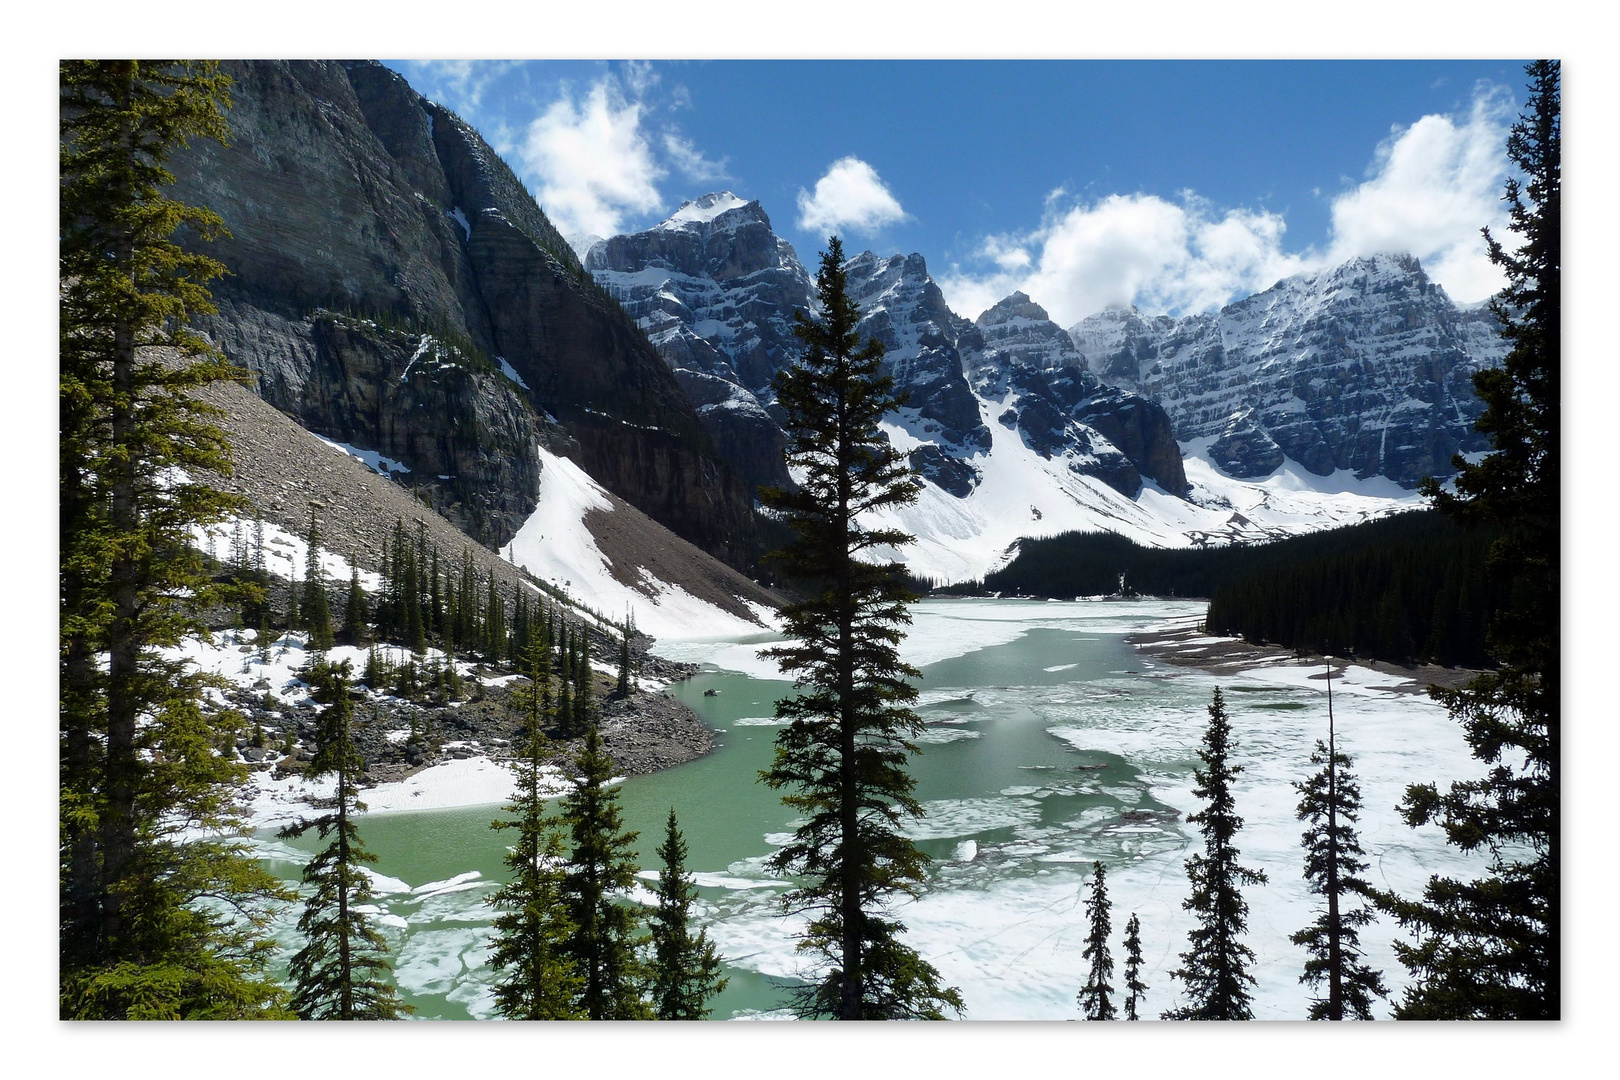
962 539
554 544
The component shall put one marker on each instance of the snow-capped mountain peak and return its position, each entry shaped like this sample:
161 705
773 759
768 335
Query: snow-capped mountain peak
702 211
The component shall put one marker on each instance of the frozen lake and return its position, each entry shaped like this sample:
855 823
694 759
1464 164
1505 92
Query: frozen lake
1051 743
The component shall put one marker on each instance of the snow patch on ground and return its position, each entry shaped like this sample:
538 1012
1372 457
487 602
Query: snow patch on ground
285 554
372 459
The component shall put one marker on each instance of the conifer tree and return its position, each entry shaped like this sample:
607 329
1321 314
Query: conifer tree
138 769
565 711
685 966
1214 969
584 717
355 614
1490 948
1095 1003
622 690
316 612
435 598
1134 986
601 864
1330 801
538 980
494 625
842 756
341 972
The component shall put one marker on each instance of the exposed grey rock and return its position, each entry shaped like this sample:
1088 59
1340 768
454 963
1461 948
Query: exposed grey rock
1243 449
345 191
1060 408
1366 366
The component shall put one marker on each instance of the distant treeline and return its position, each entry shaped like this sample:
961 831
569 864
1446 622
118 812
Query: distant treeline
1406 588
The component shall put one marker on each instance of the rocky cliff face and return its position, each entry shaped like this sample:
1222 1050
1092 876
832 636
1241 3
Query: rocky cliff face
715 290
1365 367
346 192
1028 364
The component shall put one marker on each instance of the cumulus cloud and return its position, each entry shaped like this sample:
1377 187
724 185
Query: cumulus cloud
593 163
1428 190
1128 249
1431 186
849 197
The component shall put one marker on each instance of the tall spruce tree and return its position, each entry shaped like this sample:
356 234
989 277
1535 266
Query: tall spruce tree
138 767
1490 948
1134 986
1330 801
341 972
494 625
622 688
685 966
538 981
842 756
356 613
315 611
1095 1003
1215 968
601 865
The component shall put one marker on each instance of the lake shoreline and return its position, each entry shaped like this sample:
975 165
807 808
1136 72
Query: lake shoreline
1182 642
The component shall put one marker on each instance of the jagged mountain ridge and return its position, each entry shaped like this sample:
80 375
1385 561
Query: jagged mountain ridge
715 289
393 286
1366 366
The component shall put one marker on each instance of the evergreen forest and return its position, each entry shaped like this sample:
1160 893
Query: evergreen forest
1409 588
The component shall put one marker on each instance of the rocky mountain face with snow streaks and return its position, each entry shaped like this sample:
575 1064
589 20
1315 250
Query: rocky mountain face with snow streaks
1366 366
715 290
348 194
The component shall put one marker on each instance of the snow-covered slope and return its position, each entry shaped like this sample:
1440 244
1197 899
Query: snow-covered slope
1022 494
562 542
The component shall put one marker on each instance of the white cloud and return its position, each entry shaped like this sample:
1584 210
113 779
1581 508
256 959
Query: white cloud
1433 185
593 162
849 197
691 162
1430 188
1126 249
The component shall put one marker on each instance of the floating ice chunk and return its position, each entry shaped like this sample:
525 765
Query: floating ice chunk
437 886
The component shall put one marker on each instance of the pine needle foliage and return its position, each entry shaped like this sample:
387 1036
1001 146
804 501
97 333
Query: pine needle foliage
1214 970
1134 986
1489 949
1330 802
601 865
342 971
842 756
315 610
149 925
685 966
1094 999
537 980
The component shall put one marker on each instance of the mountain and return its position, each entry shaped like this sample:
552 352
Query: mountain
715 289
394 287
1366 367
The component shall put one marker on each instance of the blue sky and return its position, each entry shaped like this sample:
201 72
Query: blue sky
1174 185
